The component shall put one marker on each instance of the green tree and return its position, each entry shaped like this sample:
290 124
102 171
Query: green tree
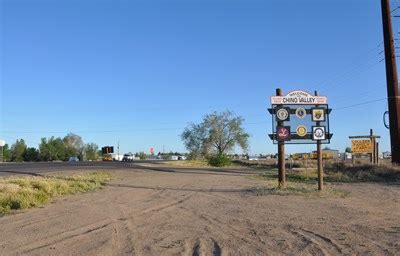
74 146
31 155
52 149
141 155
18 150
348 150
218 134
6 153
91 150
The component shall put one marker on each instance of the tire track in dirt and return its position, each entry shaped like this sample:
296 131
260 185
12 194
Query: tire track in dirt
219 229
67 235
323 244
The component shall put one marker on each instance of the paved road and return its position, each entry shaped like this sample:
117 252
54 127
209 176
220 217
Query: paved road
7 169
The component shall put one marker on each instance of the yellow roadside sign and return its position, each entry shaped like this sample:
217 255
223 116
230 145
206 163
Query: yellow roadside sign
361 146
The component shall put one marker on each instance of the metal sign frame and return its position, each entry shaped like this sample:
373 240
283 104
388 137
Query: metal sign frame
308 117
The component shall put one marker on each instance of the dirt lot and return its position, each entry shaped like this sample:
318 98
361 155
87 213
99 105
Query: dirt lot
144 212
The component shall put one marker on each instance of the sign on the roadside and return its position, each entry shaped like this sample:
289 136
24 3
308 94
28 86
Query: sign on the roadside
300 118
299 98
361 146
2 143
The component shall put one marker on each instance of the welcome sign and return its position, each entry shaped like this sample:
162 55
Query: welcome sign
299 98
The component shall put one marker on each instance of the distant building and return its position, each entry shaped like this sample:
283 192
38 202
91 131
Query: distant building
333 153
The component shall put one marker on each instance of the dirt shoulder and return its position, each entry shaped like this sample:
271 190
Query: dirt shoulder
145 212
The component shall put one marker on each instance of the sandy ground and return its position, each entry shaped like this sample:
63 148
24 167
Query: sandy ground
145 212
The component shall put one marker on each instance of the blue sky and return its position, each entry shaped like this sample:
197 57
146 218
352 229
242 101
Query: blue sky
140 71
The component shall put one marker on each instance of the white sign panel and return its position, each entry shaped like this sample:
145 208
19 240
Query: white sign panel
2 143
299 98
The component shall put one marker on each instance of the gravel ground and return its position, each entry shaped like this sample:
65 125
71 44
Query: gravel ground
198 212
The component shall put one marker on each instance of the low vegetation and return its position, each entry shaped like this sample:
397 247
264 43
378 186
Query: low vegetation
294 188
340 172
219 160
188 163
362 173
28 192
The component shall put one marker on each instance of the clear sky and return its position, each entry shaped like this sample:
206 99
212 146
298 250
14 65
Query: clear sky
140 71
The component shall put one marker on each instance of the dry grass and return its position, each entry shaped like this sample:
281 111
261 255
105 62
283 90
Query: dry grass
27 192
341 172
188 163
306 189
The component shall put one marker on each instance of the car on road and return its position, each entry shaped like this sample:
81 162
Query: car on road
73 159
128 157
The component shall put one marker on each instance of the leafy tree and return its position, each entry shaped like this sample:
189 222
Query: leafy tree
218 134
141 155
18 150
91 150
74 146
6 153
52 149
348 150
31 155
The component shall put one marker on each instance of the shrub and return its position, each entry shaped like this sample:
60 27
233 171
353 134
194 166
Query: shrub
219 160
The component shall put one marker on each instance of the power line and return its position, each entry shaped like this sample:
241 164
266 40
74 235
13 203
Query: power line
360 104
355 64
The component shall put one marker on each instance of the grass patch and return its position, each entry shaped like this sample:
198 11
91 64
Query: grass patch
339 172
27 192
297 185
188 163
362 173
296 190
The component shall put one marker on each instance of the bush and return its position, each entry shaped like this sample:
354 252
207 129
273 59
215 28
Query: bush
219 160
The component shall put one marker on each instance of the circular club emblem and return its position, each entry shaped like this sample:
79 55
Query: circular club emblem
301 130
282 114
319 133
282 133
301 113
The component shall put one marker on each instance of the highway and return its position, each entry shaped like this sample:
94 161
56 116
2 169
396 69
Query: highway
40 168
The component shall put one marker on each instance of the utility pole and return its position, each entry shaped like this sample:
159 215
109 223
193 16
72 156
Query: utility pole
118 149
392 82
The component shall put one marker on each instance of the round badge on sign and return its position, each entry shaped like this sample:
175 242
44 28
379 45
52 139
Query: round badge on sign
301 113
319 133
283 133
301 130
282 114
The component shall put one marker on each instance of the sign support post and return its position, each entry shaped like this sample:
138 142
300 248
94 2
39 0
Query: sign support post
319 159
281 155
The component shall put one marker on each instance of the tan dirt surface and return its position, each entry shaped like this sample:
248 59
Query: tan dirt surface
189 212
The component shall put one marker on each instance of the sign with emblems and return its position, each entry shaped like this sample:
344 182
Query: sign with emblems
300 118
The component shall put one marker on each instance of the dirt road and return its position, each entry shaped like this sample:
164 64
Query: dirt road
206 213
